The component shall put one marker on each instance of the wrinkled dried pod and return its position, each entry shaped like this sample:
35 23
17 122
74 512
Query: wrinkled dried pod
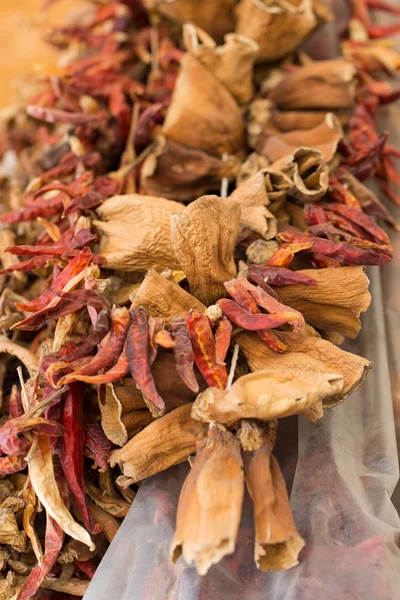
289 120
277 541
309 176
164 443
162 297
307 353
266 395
204 238
232 64
217 18
324 137
136 232
278 26
210 503
203 114
181 173
325 84
335 303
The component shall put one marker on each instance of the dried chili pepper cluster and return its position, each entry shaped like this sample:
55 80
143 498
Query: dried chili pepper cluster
145 315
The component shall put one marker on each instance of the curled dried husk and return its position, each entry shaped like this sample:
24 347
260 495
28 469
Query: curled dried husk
163 297
204 238
324 137
9 529
217 18
325 84
277 541
203 114
265 395
181 173
307 353
136 232
232 63
289 120
28 359
335 304
309 176
210 503
164 443
277 26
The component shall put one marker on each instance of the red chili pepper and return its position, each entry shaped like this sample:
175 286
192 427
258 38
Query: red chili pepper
138 352
241 318
362 220
314 214
88 567
81 239
339 193
96 442
117 372
280 276
223 334
12 433
204 349
108 352
38 262
72 450
15 404
381 5
285 254
99 331
30 213
382 31
336 235
343 223
183 353
90 199
323 262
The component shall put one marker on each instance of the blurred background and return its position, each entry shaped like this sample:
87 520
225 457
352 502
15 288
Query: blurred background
22 26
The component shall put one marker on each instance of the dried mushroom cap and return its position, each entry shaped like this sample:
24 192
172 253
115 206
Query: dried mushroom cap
265 395
164 443
323 138
210 503
278 26
325 84
335 303
181 173
307 353
204 238
203 114
136 232
162 297
277 541
217 18
232 63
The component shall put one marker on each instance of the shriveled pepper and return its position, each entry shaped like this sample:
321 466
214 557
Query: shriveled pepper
183 353
72 450
241 318
223 334
280 276
204 348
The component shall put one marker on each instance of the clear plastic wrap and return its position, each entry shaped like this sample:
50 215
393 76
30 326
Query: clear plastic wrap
341 473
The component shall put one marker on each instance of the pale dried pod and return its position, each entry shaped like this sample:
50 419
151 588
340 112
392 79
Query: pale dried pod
265 395
162 297
253 163
278 26
259 115
216 18
335 304
178 172
203 114
166 442
324 138
210 503
136 232
231 63
250 435
323 84
289 120
277 541
307 353
204 238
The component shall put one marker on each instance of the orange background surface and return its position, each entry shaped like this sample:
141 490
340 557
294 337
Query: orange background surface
22 23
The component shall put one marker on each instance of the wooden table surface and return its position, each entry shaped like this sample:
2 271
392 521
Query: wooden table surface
22 22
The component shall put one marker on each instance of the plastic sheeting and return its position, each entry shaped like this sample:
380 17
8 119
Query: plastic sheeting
341 471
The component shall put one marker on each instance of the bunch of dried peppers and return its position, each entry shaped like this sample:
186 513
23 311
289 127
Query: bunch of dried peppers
148 321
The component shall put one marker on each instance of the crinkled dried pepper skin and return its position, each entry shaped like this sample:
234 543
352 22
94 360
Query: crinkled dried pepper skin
204 350
240 317
96 442
183 353
280 276
223 335
72 451
138 353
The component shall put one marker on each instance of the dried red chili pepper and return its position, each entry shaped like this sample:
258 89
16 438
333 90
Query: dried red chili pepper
88 567
204 349
99 331
138 353
314 214
96 442
183 353
32 264
223 334
108 353
323 262
55 115
118 371
12 433
384 6
81 239
15 403
362 220
30 213
278 276
72 449
285 254
335 235
164 339
88 200
339 193
343 223
11 464
241 318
